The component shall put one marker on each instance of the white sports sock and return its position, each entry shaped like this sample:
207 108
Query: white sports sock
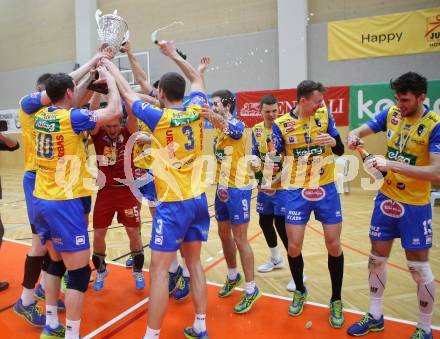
377 279
185 272
27 296
72 329
249 287
151 334
174 265
52 316
425 296
275 253
232 273
199 323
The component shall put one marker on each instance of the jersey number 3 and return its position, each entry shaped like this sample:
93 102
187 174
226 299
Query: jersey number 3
187 130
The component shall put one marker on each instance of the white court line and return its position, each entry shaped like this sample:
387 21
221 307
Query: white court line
275 296
116 319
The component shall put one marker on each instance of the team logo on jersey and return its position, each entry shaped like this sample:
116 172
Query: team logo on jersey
392 208
420 130
129 213
292 140
223 194
318 122
390 133
401 186
313 194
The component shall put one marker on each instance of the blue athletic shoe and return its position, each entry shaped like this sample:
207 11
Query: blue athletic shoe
53 333
129 262
365 325
40 295
99 282
421 334
190 333
139 280
183 288
32 313
173 279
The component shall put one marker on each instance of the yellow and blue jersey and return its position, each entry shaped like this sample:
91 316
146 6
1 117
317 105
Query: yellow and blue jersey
309 165
230 151
176 148
260 136
409 140
61 154
26 116
142 153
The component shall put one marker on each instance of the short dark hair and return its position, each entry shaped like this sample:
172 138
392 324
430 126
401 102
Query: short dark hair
226 97
410 82
307 87
156 84
57 86
42 79
267 99
173 85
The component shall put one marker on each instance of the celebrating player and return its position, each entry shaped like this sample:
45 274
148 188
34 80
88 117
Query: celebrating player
401 208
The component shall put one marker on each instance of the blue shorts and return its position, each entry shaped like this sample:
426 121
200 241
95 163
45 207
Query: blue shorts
63 222
411 223
272 204
180 221
149 189
28 187
233 204
323 201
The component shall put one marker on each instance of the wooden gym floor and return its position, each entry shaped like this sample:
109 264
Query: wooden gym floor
120 311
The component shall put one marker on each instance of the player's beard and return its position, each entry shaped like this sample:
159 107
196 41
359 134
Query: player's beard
413 111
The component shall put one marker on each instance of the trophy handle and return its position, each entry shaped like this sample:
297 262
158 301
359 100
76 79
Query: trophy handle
98 14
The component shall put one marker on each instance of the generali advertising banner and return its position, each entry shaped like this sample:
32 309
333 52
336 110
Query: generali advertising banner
385 35
248 104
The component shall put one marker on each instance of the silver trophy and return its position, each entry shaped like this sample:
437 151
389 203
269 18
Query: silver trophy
112 30
112 33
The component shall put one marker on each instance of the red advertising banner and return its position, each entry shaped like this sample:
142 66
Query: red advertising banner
248 104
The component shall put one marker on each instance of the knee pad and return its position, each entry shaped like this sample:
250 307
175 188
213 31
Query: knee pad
79 279
46 262
99 261
376 264
421 272
138 261
56 268
32 269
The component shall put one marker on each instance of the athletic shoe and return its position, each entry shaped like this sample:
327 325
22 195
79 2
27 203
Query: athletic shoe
183 288
129 262
190 333
272 264
248 300
4 285
365 325
40 295
421 334
139 280
99 282
32 313
297 305
229 286
336 318
173 279
291 286
50 333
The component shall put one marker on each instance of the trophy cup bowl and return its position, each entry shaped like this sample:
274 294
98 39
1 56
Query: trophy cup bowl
112 34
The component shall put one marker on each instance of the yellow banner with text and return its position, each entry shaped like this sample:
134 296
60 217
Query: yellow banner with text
386 35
